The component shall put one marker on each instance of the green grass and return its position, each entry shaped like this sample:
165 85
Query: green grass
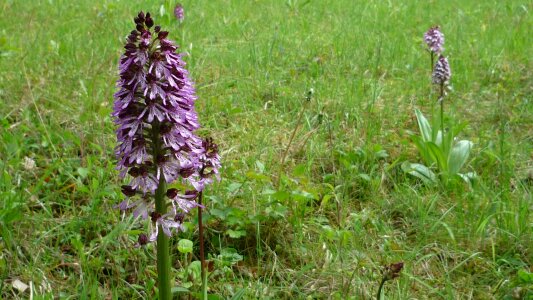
341 209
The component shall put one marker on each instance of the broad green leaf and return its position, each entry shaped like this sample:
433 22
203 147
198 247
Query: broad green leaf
195 269
185 246
525 276
234 186
448 143
281 196
438 156
423 124
325 200
438 139
229 256
419 171
235 234
365 177
83 172
423 149
458 156
467 177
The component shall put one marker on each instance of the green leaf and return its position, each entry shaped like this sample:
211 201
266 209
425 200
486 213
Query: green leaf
281 195
260 166
365 177
325 200
195 270
438 156
235 234
179 289
525 276
239 294
419 171
83 172
229 256
458 156
218 213
467 177
300 170
423 124
234 186
185 246
423 149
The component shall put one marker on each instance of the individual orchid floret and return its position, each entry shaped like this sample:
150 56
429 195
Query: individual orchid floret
434 40
167 222
441 72
209 163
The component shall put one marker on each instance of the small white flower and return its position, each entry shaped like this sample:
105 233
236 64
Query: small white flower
29 163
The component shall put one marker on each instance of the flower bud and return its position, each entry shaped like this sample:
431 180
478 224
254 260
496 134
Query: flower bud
172 193
179 217
155 216
143 239
128 191
149 22
162 35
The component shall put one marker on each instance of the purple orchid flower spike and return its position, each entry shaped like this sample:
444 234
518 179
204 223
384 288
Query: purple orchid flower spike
441 72
434 40
179 13
156 129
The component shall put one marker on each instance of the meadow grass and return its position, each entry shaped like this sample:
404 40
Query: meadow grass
323 224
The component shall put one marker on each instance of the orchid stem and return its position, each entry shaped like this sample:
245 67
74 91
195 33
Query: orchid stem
441 100
378 297
202 257
163 256
432 61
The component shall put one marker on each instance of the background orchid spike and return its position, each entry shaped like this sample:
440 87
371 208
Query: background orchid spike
156 119
434 39
441 72
179 13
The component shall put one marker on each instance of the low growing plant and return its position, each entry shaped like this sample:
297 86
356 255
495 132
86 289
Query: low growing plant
439 152
438 147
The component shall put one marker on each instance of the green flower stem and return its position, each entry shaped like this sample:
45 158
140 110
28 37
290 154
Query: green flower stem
378 296
163 256
432 61
441 100
202 256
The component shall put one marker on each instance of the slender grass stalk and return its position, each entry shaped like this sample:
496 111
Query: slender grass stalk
163 256
300 116
293 134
